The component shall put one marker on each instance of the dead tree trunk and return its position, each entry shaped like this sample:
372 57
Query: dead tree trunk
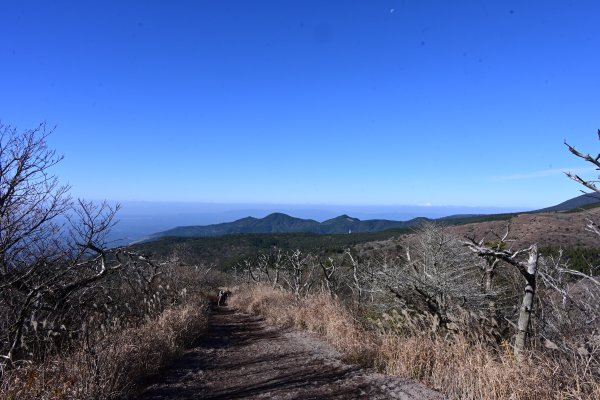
529 272
527 305
356 284
328 268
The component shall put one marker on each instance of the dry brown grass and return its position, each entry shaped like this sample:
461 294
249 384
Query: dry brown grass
113 367
464 370
454 366
317 313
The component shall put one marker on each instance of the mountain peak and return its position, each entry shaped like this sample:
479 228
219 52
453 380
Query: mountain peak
277 215
342 219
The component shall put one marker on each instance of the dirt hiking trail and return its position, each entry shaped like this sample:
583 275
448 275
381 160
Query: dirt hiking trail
243 357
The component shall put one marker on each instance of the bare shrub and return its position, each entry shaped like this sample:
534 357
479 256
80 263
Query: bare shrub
48 266
345 276
113 366
439 284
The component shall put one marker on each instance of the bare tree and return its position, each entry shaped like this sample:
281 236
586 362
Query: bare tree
52 250
356 283
299 272
264 267
30 195
270 265
329 269
438 278
552 273
571 307
528 270
590 184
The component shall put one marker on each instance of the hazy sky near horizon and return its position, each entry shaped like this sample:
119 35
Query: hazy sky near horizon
309 102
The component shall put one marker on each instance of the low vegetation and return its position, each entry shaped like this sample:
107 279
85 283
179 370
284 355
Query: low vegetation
111 365
127 334
441 314
454 365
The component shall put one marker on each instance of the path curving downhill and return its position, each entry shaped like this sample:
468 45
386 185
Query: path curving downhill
246 358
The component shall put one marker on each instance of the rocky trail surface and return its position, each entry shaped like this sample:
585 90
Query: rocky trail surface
246 358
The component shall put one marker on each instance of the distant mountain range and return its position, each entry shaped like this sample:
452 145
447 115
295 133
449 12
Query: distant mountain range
344 224
283 223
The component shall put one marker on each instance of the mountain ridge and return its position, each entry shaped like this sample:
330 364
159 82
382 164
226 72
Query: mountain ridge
283 223
343 224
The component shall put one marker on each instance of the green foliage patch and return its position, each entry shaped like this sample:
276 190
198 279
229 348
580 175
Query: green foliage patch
583 259
224 251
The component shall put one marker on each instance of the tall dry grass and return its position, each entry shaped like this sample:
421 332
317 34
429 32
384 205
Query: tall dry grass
464 370
113 367
317 313
458 367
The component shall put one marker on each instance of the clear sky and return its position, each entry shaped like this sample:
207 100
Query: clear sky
308 102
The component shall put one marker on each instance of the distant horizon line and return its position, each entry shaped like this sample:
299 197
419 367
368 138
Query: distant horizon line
279 204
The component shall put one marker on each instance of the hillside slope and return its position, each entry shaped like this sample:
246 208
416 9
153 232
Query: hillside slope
587 200
550 229
555 229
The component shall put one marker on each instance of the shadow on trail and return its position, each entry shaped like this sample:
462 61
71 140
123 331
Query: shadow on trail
223 332
243 357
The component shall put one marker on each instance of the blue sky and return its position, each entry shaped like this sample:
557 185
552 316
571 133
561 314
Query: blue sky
309 102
